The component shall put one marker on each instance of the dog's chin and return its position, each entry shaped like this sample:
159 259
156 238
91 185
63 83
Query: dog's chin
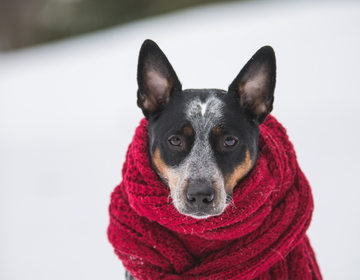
200 214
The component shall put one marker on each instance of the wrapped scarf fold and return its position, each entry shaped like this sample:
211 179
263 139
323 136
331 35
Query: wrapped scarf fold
261 235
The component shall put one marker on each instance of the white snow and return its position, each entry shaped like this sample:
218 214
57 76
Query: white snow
68 111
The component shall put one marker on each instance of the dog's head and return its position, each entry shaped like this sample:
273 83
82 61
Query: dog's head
202 142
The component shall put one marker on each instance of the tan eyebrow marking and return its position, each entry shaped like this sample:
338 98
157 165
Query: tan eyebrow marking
217 129
188 131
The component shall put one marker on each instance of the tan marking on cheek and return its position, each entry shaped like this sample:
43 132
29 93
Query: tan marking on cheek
160 165
164 171
239 173
188 131
216 129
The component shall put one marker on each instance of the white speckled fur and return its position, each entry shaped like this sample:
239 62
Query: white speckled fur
200 164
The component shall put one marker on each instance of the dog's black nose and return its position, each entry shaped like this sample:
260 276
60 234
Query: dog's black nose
200 195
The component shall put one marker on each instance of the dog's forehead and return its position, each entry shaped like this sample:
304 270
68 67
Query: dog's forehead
204 112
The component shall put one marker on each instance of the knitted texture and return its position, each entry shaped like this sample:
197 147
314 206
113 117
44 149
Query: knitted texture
261 235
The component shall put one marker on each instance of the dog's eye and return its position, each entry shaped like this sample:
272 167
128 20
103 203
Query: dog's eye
229 141
175 141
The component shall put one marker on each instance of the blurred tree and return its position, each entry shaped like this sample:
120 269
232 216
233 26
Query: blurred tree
29 22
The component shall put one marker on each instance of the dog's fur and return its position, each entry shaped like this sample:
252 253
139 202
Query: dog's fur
202 142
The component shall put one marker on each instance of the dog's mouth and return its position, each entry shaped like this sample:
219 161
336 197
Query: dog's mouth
200 213
202 209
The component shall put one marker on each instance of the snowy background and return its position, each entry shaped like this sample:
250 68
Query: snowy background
68 111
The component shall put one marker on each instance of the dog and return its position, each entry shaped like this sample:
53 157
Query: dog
203 142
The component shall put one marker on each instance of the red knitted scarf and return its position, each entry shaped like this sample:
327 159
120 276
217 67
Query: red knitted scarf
261 235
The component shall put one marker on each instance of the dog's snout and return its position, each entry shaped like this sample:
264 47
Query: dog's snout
200 195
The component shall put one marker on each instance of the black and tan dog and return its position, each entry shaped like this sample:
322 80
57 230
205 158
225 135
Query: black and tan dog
203 141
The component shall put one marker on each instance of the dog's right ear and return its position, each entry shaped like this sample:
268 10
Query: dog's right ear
156 78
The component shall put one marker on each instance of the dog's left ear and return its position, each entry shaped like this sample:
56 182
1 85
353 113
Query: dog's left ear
255 84
156 78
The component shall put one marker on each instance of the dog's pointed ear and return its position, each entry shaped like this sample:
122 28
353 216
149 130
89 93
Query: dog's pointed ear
156 78
255 84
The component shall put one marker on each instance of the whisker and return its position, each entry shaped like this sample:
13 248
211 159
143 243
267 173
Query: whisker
230 201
